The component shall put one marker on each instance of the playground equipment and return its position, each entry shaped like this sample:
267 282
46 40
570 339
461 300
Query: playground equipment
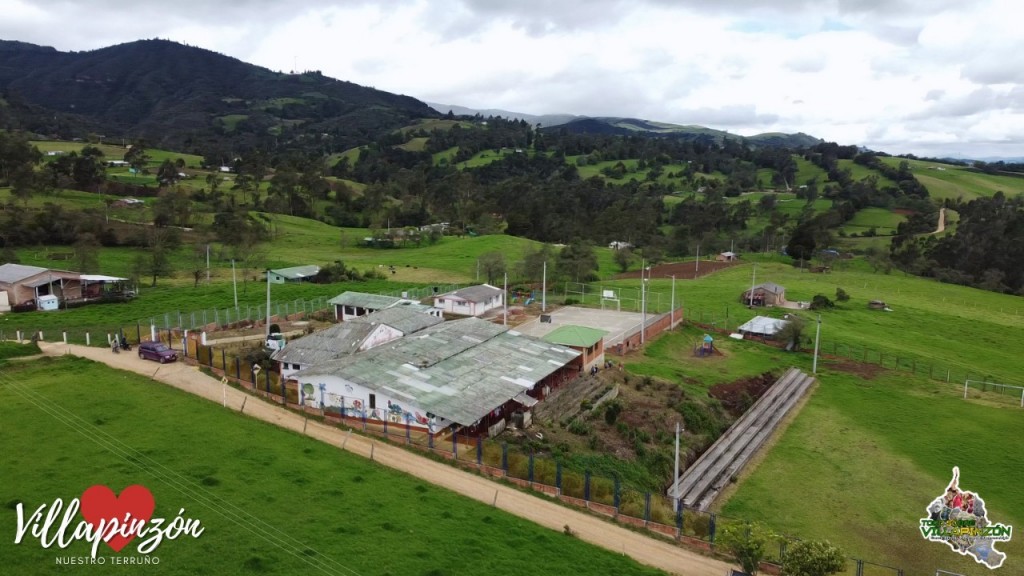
706 347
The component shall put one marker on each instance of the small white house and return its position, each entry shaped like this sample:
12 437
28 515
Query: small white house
616 245
471 301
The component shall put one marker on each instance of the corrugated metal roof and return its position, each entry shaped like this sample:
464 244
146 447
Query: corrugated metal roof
478 294
460 370
363 300
343 339
12 273
769 287
334 342
297 272
763 325
579 336
405 319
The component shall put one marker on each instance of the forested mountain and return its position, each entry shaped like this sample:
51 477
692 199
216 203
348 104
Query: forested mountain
193 100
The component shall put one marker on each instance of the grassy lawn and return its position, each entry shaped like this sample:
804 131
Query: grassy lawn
963 329
271 501
866 456
15 350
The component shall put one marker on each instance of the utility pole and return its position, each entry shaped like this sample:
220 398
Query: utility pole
268 303
753 276
696 267
234 282
643 301
672 309
675 479
817 337
544 289
207 264
504 299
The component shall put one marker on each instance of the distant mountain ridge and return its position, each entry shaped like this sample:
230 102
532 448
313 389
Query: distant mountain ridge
631 126
185 97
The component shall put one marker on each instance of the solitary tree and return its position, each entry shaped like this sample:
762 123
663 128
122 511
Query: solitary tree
623 257
492 265
813 558
792 332
747 543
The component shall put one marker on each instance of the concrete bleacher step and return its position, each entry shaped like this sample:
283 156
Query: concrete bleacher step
704 479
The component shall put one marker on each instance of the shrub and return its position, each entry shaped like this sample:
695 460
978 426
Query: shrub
841 295
820 302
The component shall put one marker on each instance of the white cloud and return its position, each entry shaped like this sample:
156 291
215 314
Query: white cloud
871 72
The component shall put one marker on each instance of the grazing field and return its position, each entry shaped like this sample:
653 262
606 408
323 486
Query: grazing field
959 182
415 144
883 221
956 327
806 171
859 172
270 501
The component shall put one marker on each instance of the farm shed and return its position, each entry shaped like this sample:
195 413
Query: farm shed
762 327
293 274
727 257
471 301
765 294
349 305
356 335
464 373
589 342
24 284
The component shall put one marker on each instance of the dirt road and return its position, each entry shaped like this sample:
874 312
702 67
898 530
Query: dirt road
942 221
602 533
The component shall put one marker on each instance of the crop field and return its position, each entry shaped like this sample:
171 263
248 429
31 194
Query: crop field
270 501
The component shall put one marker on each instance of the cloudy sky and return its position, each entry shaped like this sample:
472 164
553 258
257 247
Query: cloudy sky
929 77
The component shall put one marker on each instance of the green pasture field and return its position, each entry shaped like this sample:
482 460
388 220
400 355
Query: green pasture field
270 501
231 121
958 181
430 124
352 154
795 206
866 456
859 172
806 170
884 221
953 327
415 144
448 155
110 152
485 157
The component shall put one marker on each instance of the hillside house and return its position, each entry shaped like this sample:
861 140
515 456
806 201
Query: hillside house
471 301
469 374
766 294
616 245
727 257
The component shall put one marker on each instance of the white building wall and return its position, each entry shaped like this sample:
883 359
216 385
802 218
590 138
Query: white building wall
333 393
382 334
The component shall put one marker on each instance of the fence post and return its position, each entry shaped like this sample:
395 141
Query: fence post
386 427
284 395
647 507
138 332
266 382
712 525
479 450
860 567
65 337
87 339
617 495
238 365
679 517
504 458
223 360
586 485
408 432
558 478
455 445
430 440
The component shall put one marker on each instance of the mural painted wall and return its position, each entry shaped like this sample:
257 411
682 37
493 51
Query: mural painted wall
354 401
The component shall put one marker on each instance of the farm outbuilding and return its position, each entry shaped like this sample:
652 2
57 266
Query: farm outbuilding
727 257
471 301
349 305
25 284
294 274
766 294
466 373
762 327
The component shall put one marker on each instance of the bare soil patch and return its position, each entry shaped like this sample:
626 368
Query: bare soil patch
737 396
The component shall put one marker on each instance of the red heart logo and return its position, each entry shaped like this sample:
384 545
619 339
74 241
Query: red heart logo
100 504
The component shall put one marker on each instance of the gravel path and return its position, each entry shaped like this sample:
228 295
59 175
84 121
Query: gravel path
643 549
